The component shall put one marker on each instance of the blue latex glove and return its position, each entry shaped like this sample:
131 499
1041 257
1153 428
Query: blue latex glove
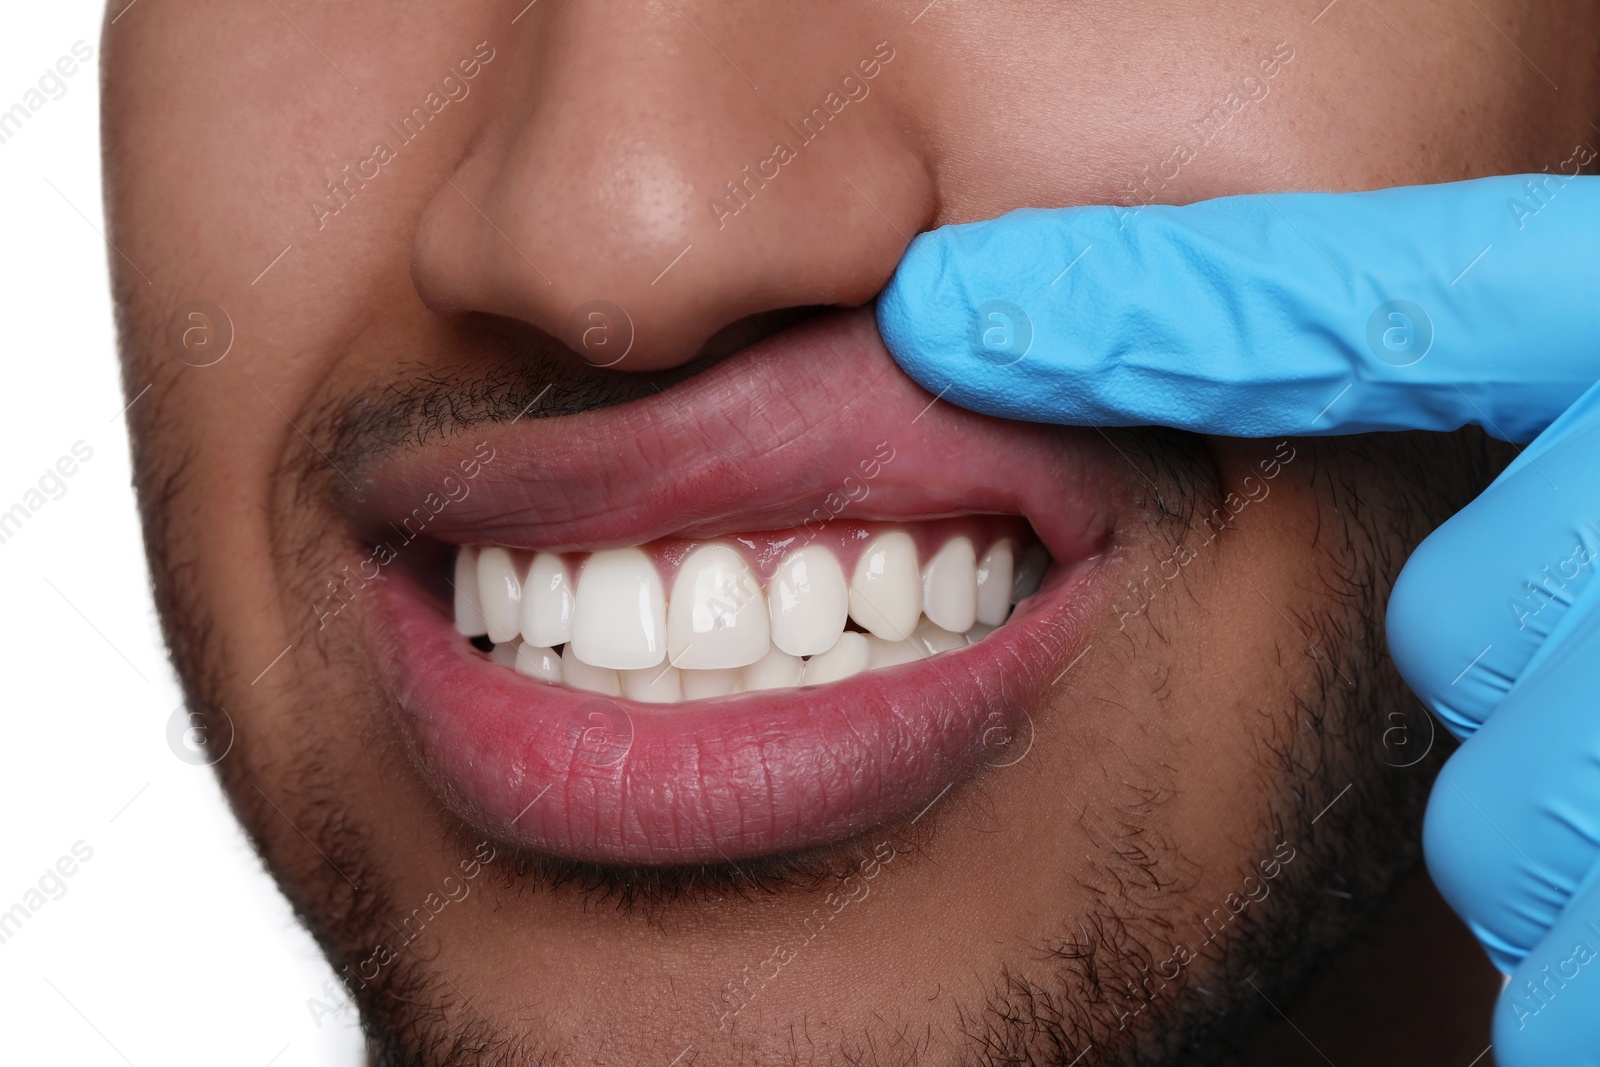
1415 308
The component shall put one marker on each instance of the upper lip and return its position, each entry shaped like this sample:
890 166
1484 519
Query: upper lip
758 442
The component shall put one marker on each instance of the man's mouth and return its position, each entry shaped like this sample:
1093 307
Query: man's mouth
787 601
682 620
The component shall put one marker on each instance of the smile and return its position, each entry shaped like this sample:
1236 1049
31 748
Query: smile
784 615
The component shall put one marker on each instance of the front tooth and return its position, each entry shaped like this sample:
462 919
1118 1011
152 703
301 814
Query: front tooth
886 590
776 670
950 586
717 617
1030 572
469 616
577 674
808 601
848 656
978 633
538 662
619 619
936 639
547 602
994 585
499 593
698 685
652 685
881 653
504 654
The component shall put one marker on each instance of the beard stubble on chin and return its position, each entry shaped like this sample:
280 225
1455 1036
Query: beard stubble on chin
1111 984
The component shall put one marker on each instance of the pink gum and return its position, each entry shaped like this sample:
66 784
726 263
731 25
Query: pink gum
845 538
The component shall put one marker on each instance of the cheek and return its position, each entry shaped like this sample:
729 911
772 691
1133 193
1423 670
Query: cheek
1128 118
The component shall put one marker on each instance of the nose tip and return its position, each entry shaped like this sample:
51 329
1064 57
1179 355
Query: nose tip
634 217
592 256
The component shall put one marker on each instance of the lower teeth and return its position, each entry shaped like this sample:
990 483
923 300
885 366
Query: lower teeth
720 633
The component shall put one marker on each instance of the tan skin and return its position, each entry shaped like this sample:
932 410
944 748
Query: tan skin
578 167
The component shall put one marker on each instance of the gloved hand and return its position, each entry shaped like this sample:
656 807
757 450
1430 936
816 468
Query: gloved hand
1415 308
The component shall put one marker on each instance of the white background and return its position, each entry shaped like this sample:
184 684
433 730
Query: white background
170 945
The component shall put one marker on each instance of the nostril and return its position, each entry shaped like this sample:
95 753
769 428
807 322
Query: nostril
745 332
603 334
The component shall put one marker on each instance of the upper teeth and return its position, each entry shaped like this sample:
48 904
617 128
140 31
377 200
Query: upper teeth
721 630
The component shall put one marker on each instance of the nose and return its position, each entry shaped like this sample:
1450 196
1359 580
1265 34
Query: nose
642 181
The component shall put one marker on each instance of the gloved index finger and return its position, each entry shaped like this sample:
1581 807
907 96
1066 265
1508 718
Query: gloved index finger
1422 307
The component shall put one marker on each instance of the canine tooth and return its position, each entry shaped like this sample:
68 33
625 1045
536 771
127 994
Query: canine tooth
978 633
698 685
936 639
950 586
619 619
886 590
504 653
469 617
881 653
808 601
537 662
776 670
994 585
652 685
717 615
499 592
577 674
847 656
547 602
1030 572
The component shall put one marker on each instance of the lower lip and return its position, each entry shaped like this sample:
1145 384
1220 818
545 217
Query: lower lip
598 779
